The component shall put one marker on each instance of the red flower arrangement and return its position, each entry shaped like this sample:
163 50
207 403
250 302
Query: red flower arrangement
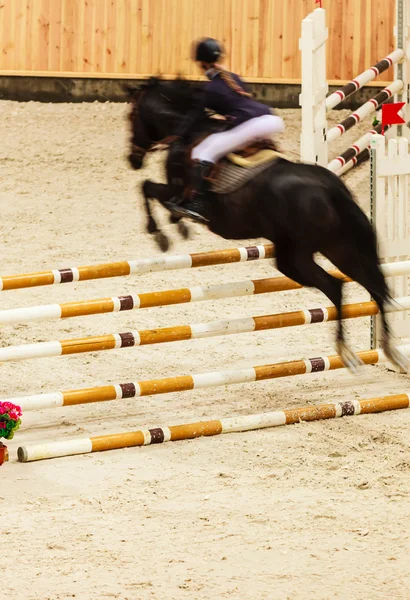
9 419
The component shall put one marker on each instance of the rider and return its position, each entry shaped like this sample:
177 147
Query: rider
249 120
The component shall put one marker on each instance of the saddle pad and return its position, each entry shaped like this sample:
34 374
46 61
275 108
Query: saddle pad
262 156
231 177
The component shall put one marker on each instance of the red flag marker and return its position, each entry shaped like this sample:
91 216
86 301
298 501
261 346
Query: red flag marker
390 114
319 2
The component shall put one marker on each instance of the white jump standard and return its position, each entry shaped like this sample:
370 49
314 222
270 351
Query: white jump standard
315 136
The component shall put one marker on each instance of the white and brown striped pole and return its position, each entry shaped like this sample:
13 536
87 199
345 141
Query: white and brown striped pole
356 153
136 267
152 299
159 435
358 82
364 110
182 383
179 333
169 297
355 161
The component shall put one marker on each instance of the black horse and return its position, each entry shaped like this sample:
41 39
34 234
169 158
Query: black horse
303 209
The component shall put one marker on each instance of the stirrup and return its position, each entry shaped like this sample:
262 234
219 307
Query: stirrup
181 212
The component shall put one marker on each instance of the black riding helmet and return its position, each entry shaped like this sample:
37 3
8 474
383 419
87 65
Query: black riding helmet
208 50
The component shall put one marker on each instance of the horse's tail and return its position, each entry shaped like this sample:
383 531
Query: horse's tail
365 240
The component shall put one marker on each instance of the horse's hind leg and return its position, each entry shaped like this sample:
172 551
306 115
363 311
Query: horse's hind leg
183 228
366 272
298 264
158 191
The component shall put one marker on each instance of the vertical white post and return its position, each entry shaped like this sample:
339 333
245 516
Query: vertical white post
402 69
390 207
312 44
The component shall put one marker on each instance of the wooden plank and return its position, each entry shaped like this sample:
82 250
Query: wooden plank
44 35
347 39
2 61
227 31
8 34
146 48
69 52
384 42
252 37
334 59
135 37
126 56
290 18
235 55
29 37
122 25
20 36
174 52
111 36
157 29
54 47
243 7
368 33
35 34
89 42
276 49
188 35
100 53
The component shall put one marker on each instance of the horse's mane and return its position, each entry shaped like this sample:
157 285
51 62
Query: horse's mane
180 92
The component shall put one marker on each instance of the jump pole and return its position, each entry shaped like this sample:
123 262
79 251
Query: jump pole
179 333
237 289
159 435
136 267
356 153
183 383
364 78
366 109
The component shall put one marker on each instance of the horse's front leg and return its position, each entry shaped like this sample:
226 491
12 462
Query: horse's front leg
160 192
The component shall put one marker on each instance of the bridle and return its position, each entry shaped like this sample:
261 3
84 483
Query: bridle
152 145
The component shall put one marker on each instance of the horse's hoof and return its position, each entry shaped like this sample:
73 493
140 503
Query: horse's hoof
184 230
350 360
396 357
162 241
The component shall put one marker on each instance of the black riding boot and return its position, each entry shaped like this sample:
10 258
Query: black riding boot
197 207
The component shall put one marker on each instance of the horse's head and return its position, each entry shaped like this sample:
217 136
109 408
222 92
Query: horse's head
157 106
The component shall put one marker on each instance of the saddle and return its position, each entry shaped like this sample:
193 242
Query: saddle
237 168
259 152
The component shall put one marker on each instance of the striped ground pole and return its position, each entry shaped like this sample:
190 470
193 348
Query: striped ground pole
355 84
136 267
183 383
169 297
154 299
159 435
364 110
179 333
354 150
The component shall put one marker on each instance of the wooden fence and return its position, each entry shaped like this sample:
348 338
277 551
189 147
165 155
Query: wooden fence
136 38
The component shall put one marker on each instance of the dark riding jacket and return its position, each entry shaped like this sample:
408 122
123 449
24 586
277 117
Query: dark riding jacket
219 97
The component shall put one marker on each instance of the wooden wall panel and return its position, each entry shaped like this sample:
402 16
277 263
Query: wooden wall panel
137 38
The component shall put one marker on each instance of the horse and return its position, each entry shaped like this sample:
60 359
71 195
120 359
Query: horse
303 209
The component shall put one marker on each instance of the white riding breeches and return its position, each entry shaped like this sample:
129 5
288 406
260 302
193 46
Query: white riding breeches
217 145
